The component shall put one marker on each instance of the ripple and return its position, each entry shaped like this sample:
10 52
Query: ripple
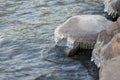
27 49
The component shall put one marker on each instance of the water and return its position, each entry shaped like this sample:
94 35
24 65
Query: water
27 40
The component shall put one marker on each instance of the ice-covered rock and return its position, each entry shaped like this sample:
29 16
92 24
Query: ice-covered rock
108 44
112 7
80 32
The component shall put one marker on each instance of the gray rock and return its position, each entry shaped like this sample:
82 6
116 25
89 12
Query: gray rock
80 32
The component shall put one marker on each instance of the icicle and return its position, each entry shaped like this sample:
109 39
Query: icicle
98 65
92 59
70 42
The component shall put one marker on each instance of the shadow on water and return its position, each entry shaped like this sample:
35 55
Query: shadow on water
84 56
77 67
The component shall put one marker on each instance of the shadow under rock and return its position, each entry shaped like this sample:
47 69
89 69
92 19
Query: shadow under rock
84 56
109 17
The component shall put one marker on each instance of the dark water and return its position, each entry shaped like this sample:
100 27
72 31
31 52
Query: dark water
27 41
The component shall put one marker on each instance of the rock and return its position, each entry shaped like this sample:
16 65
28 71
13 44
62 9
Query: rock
111 50
110 70
112 7
107 45
80 32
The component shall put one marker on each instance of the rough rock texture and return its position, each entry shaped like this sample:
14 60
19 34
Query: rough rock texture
111 50
107 45
80 32
112 7
110 70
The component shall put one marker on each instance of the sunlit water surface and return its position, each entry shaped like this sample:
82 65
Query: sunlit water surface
27 40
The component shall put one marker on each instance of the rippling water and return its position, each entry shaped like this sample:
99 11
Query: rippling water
27 42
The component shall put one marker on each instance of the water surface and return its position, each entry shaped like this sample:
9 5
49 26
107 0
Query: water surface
27 40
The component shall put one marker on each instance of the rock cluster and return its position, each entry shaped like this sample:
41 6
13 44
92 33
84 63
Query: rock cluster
97 33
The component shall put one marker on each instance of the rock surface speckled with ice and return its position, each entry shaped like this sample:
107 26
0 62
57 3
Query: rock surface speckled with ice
112 7
80 32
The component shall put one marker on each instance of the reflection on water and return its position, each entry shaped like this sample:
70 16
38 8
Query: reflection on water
27 43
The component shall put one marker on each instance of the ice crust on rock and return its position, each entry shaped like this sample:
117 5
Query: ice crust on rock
80 31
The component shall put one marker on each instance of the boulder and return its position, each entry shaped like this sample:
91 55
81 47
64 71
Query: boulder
79 32
110 70
107 45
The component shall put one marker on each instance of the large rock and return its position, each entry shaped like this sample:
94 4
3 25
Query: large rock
107 45
80 32
110 70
